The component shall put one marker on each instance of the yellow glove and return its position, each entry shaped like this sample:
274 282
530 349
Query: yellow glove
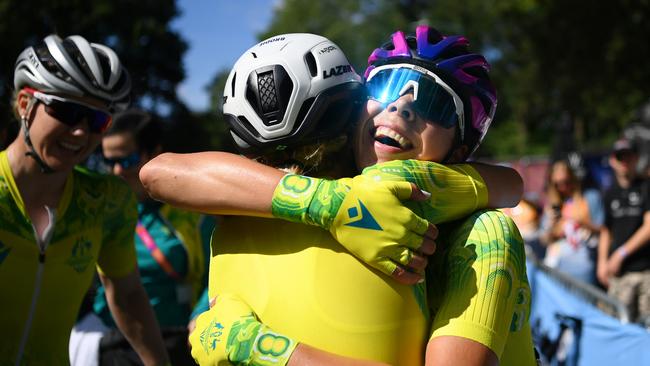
374 225
370 222
229 333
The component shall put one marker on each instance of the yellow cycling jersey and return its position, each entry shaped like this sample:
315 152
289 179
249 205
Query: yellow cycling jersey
478 288
302 283
43 283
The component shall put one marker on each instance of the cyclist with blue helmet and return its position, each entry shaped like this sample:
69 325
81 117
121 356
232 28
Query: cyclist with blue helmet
429 99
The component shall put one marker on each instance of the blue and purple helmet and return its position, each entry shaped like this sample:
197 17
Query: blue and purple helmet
448 58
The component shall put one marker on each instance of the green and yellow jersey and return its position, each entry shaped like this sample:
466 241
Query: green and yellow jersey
43 281
478 288
302 283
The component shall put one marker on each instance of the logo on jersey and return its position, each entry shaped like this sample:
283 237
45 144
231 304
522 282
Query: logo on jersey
634 198
211 335
81 255
366 221
4 252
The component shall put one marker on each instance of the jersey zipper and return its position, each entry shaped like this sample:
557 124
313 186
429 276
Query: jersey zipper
42 246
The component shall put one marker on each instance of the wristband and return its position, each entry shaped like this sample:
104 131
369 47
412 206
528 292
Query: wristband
622 252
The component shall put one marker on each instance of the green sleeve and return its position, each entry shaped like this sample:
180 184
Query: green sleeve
456 190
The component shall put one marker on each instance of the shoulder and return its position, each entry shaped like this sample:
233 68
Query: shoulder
488 233
490 222
109 185
592 195
109 191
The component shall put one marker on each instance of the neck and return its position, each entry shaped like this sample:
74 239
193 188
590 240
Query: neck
35 186
624 180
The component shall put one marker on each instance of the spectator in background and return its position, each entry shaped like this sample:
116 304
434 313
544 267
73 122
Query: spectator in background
526 216
172 254
623 251
570 224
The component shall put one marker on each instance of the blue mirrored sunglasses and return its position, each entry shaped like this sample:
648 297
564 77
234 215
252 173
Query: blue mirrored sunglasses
125 162
434 100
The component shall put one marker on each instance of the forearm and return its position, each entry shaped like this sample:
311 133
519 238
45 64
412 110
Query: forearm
212 182
504 185
604 243
134 317
305 355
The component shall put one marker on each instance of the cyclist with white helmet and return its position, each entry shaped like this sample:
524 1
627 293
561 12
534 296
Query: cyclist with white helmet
58 221
429 99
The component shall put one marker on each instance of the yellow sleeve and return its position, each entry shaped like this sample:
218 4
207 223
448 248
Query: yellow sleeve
480 290
456 190
117 256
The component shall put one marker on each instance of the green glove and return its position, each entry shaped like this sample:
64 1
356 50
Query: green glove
230 332
366 216
307 200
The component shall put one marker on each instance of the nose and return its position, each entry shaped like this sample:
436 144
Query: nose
81 128
403 108
117 169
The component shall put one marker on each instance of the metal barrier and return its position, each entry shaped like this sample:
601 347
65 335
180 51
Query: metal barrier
592 294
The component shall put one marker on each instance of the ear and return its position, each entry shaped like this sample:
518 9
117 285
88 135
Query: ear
22 101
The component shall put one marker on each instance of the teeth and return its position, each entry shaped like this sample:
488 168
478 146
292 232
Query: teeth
382 131
70 146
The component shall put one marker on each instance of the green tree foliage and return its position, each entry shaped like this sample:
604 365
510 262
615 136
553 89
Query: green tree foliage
553 61
137 30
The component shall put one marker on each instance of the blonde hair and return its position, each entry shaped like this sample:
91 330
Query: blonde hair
320 157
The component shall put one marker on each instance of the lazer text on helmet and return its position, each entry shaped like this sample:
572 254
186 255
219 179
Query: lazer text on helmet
337 70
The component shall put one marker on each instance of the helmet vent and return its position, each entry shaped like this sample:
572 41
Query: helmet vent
268 95
311 64
49 63
232 85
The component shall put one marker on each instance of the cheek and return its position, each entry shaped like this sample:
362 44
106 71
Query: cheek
436 142
363 144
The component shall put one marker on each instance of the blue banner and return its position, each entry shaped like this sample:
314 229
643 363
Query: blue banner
570 331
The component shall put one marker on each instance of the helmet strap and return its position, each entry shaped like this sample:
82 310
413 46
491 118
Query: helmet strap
28 141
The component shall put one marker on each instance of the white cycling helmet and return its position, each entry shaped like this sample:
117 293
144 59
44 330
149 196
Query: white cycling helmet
74 67
289 90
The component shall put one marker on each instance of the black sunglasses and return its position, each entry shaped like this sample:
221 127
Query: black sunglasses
71 113
623 155
125 162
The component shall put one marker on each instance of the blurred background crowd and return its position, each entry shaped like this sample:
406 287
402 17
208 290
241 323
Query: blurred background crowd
573 119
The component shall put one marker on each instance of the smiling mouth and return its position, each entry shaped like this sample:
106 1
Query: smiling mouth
69 146
387 136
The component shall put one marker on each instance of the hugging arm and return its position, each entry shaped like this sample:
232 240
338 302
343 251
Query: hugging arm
225 183
212 182
230 332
